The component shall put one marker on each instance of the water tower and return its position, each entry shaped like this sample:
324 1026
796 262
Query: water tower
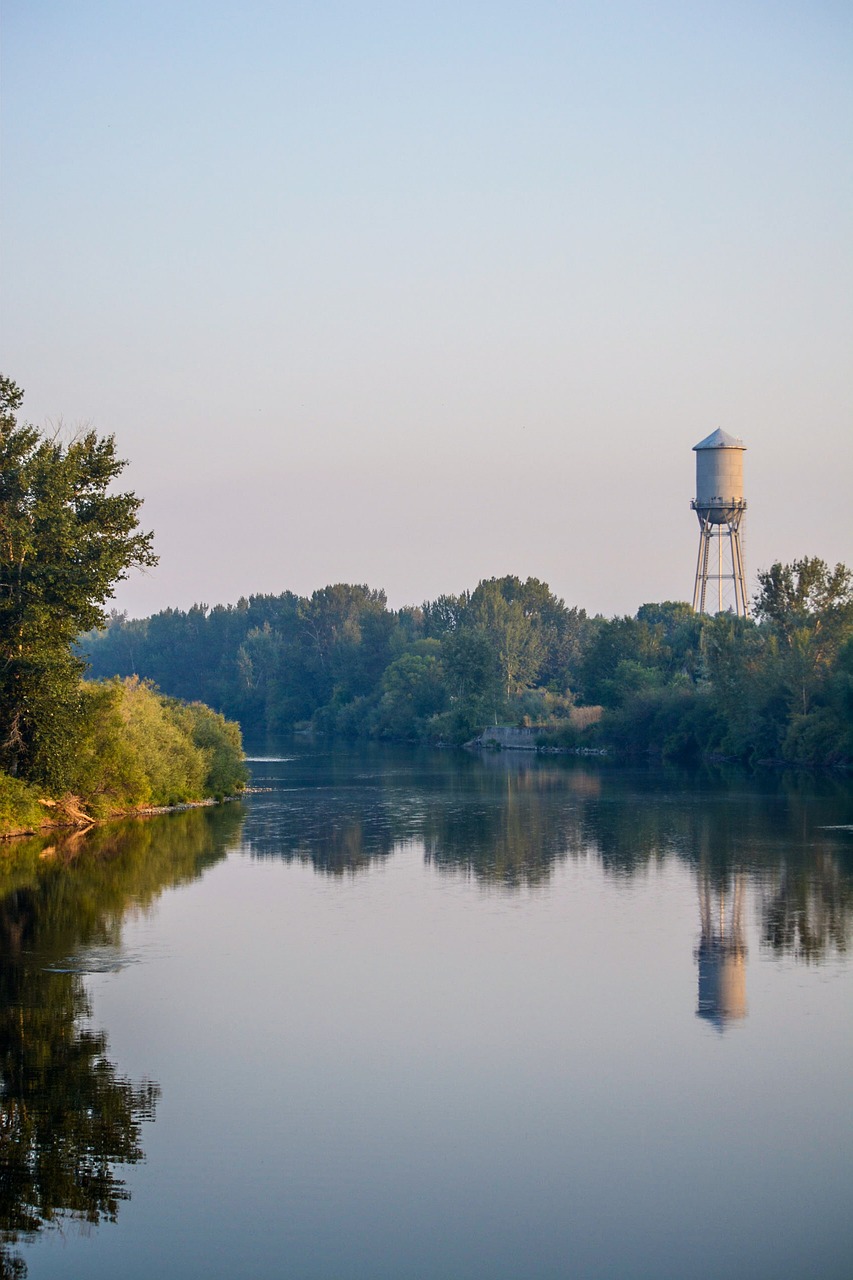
720 504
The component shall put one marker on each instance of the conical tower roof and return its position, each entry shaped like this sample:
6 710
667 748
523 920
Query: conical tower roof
720 439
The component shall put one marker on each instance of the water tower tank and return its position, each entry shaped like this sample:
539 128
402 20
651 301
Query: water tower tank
719 476
720 506
722 982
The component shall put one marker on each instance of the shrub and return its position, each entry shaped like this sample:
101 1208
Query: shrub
19 805
138 748
221 744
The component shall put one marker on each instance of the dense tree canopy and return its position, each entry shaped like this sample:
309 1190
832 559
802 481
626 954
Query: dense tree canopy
809 608
779 687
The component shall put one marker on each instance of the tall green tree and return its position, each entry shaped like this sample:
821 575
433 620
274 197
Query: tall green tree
66 539
810 608
346 631
506 612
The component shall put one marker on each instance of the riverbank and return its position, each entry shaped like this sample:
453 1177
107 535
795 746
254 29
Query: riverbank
75 818
131 751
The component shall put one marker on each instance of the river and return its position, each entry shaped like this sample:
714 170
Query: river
423 1015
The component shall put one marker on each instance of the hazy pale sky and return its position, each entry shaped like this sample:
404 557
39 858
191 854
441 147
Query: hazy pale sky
416 294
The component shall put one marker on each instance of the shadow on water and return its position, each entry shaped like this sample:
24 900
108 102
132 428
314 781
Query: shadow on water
69 1120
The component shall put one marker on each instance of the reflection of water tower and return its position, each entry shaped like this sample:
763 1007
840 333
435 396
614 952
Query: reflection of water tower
721 952
720 504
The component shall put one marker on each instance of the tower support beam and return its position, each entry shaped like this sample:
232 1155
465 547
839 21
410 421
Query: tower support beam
724 524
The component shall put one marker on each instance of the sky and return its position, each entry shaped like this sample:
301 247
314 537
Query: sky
414 294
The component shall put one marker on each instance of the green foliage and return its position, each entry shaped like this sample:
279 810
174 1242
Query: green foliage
136 752
809 608
775 689
670 681
676 723
172 770
19 805
136 748
109 773
806 593
413 691
472 671
627 656
275 661
445 614
221 745
817 737
741 661
65 540
501 609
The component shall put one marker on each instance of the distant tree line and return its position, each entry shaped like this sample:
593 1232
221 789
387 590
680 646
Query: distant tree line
778 687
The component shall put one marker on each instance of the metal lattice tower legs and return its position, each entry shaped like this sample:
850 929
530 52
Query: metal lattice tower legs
728 531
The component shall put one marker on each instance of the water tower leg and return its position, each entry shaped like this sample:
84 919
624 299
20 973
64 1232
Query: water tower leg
741 605
701 586
698 577
705 555
720 569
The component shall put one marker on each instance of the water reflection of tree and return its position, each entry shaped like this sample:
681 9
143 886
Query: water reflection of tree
807 910
728 827
498 823
334 834
508 819
68 1117
80 888
69 1120
512 826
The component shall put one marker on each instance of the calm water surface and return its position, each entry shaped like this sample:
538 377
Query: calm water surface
407 1014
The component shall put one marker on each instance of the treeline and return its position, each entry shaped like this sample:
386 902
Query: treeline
344 661
777 687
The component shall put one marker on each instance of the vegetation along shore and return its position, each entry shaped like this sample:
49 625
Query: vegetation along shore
75 750
775 688
158 721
